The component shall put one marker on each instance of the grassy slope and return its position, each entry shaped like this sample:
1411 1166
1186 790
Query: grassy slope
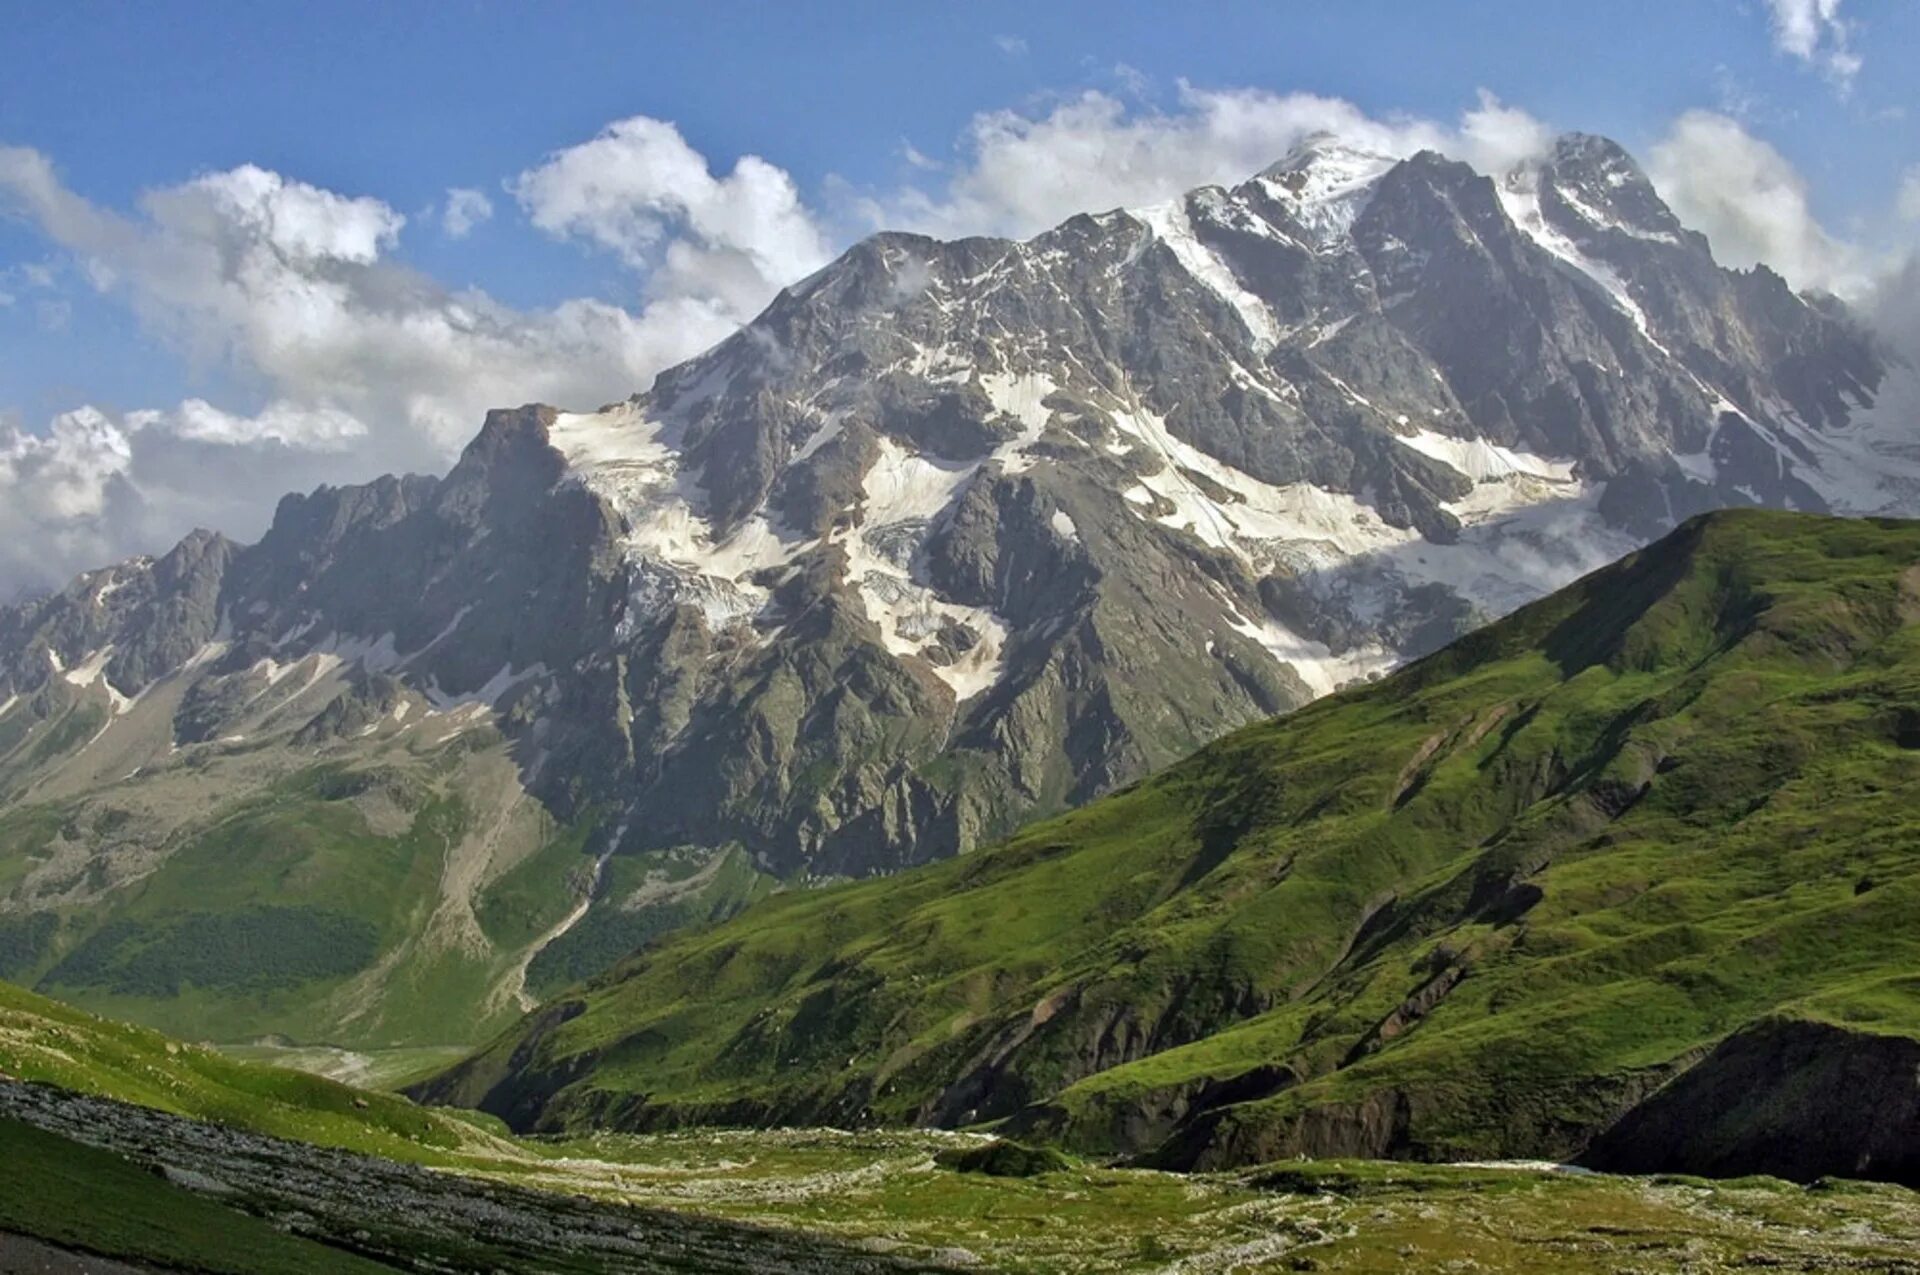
82 1198
1583 842
42 1040
383 898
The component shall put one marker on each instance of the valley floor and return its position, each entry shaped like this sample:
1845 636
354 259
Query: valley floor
820 1200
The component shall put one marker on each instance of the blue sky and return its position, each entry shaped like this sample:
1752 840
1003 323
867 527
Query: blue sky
378 343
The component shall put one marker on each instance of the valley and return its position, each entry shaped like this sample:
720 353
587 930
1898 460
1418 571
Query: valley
370 1183
1648 836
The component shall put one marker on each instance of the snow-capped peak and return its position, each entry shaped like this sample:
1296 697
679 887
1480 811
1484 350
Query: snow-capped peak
1326 183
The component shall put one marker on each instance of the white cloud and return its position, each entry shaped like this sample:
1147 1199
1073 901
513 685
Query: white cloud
368 365
322 429
1013 46
300 224
1751 203
94 488
918 158
1496 138
1092 151
466 208
1814 32
1909 197
717 248
81 452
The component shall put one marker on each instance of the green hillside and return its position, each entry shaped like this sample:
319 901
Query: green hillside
1661 822
55 1044
92 1201
373 887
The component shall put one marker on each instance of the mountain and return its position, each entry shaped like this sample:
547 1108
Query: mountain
952 536
1628 876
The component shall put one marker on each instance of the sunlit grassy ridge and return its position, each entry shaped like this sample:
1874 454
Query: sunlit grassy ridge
44 1041
1478 908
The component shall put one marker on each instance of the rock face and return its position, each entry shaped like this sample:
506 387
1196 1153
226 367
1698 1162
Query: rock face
958 533
1795 1099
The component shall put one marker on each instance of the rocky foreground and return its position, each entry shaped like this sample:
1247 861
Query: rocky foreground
414 1218
894 1201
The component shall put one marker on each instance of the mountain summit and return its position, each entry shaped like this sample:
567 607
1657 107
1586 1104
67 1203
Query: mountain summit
953 534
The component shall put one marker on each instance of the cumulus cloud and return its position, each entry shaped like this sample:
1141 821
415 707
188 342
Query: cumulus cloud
365 364
717 248
1013 46
1022 173
94 488
465 209
1751 203
1814 32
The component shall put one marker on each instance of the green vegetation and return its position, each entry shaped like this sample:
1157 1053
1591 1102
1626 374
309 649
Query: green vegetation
889 1190
943 1198
80 724
81 1198
300 910
1476 909
540 890
1003 1159
253 949
43 1040
649 895
24 940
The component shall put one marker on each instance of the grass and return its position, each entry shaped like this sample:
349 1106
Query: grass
80 1198
43 1040
649 895
888 1188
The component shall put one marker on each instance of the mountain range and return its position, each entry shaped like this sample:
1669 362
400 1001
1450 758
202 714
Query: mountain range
954 535
1627 878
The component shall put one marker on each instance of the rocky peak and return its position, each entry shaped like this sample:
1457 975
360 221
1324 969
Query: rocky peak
1592 190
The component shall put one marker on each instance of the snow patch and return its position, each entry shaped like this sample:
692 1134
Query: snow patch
1870 466
93 669
1254 517
1485 462
904 485
1171 224
485 696
909 616
625 456
1314 662
1326 186
1520 196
